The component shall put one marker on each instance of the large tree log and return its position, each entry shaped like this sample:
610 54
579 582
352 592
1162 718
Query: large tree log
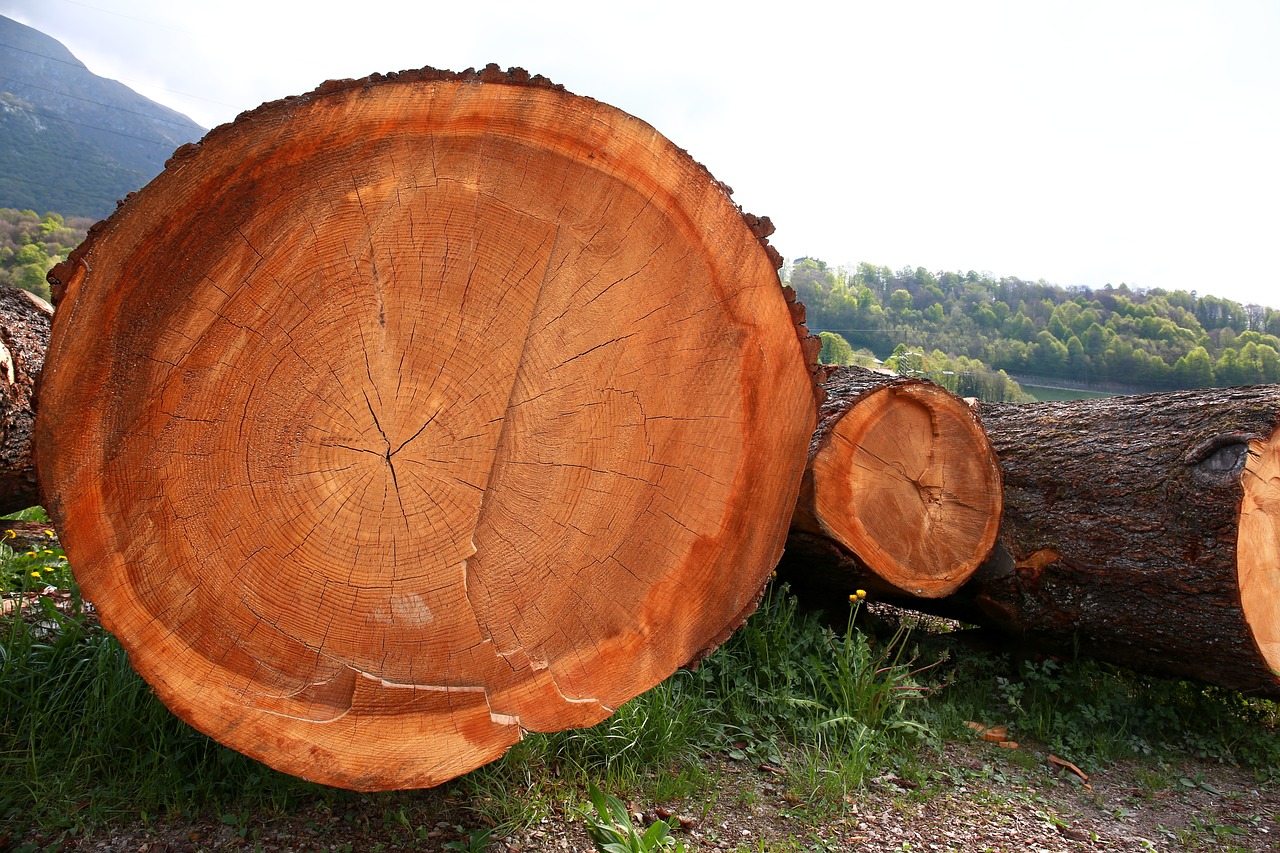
24 334
1142 530
400 417
901 492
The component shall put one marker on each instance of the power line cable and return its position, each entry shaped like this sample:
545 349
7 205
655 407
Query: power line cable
34 112
78 64
127 17
188 124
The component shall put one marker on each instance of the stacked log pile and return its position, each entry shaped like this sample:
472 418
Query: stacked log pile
397 419
1142 530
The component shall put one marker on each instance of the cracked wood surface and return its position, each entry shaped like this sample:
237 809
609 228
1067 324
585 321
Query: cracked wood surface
398 418
902 491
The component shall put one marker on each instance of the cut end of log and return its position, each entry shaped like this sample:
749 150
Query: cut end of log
907 481
1258 547
399 417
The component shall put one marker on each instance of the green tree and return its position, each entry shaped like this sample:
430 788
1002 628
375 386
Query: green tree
32 253
1048 354
32 278
52 222
835 349
1076 356
1194 370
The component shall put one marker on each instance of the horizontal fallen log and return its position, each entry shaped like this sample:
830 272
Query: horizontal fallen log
1141 530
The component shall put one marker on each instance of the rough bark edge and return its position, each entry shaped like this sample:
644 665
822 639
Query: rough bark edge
761 227
22 351
862 381
831 409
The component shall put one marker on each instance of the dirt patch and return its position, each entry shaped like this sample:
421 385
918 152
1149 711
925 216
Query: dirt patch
976 797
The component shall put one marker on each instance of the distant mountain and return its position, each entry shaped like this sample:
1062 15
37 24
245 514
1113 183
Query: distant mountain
71 141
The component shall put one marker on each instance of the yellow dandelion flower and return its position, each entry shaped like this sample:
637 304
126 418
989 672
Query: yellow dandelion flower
853 599
35 574
48 568
862 593
49 533
32 554
46 551
9 534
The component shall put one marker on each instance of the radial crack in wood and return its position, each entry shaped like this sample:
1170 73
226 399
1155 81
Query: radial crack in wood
399 417
902 491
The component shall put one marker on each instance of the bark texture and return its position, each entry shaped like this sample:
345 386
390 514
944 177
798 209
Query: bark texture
901 492
1142 530
24 334
398 418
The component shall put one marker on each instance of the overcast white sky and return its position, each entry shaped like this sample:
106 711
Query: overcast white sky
1079 142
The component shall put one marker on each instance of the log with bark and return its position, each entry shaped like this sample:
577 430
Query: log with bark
901 492
1141 530
24 335
398 418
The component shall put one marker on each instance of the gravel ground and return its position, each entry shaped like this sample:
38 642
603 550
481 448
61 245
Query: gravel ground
977 797
980 798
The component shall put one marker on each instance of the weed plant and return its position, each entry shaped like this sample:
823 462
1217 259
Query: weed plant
1095 713
611 830
785 690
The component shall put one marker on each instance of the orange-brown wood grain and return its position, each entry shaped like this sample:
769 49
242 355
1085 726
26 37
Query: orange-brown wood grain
902 492
401 417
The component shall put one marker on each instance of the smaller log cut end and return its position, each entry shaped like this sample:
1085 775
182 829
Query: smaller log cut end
1258 547
907 482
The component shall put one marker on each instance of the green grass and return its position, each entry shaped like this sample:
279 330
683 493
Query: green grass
786 689
1096 713
83 739
84 742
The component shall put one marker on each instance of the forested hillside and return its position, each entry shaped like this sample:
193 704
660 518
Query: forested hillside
70 140
1142 339
31 244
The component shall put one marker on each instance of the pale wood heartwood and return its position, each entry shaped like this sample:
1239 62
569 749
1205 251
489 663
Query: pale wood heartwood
403 416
